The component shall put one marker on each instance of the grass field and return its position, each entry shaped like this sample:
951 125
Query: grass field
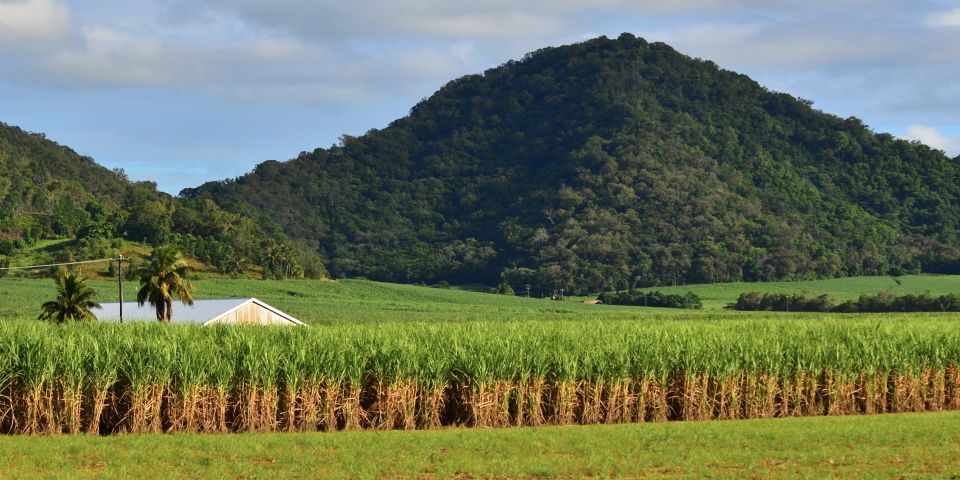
716 296
338 302
359 301
925 445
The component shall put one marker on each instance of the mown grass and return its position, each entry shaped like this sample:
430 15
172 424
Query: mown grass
889 446
361 301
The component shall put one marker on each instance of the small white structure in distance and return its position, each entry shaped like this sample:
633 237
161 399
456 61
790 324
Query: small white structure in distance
231 311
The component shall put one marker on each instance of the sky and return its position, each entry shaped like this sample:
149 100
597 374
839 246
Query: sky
186 91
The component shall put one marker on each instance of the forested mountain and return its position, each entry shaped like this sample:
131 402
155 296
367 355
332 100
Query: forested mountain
599 165
606 164
49 191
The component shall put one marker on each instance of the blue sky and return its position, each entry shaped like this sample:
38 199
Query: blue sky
186 91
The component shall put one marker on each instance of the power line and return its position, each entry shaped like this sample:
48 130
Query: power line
28 267
119 261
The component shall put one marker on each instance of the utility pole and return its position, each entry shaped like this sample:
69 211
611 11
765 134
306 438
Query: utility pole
527 286
120 283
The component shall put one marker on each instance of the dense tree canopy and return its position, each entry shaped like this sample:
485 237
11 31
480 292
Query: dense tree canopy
49 191
607 164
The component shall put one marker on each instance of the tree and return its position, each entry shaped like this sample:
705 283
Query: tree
163 278
149 221
279 262
74 300
504 288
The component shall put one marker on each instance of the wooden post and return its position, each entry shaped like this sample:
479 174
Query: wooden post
120 284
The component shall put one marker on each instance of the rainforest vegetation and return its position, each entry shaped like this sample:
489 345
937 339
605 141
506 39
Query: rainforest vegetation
652 299
48 191
598 166
866 303
609 164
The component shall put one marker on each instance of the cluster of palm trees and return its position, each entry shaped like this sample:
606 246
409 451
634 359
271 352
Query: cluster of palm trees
280 262
164 277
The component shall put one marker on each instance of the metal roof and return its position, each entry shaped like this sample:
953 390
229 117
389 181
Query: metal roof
201 312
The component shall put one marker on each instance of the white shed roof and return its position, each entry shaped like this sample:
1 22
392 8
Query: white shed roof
202 312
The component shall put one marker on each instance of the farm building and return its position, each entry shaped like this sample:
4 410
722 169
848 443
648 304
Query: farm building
203 312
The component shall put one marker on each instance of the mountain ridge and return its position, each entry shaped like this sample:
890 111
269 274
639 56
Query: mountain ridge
598 165
606 164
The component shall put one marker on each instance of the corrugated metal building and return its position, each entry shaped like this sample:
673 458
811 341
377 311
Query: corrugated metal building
203 312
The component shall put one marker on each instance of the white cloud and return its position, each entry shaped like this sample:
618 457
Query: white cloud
331 19
466 53
264 67
110 57
949 18
294 45
805 44
28 23
337 20
934 138
484 25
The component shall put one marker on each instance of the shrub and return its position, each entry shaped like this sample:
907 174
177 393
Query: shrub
652 299
878 303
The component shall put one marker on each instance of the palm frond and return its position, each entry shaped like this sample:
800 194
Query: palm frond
163 278
74 300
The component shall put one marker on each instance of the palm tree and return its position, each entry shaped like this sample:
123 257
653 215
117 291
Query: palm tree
280 262
74 300
163 278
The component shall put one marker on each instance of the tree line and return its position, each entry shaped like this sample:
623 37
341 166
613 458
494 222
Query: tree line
689 300
866 303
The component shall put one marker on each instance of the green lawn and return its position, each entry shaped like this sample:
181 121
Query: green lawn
358 301
882 446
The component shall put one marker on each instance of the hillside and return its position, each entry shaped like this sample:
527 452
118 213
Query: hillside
59 206
609 163
46 186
